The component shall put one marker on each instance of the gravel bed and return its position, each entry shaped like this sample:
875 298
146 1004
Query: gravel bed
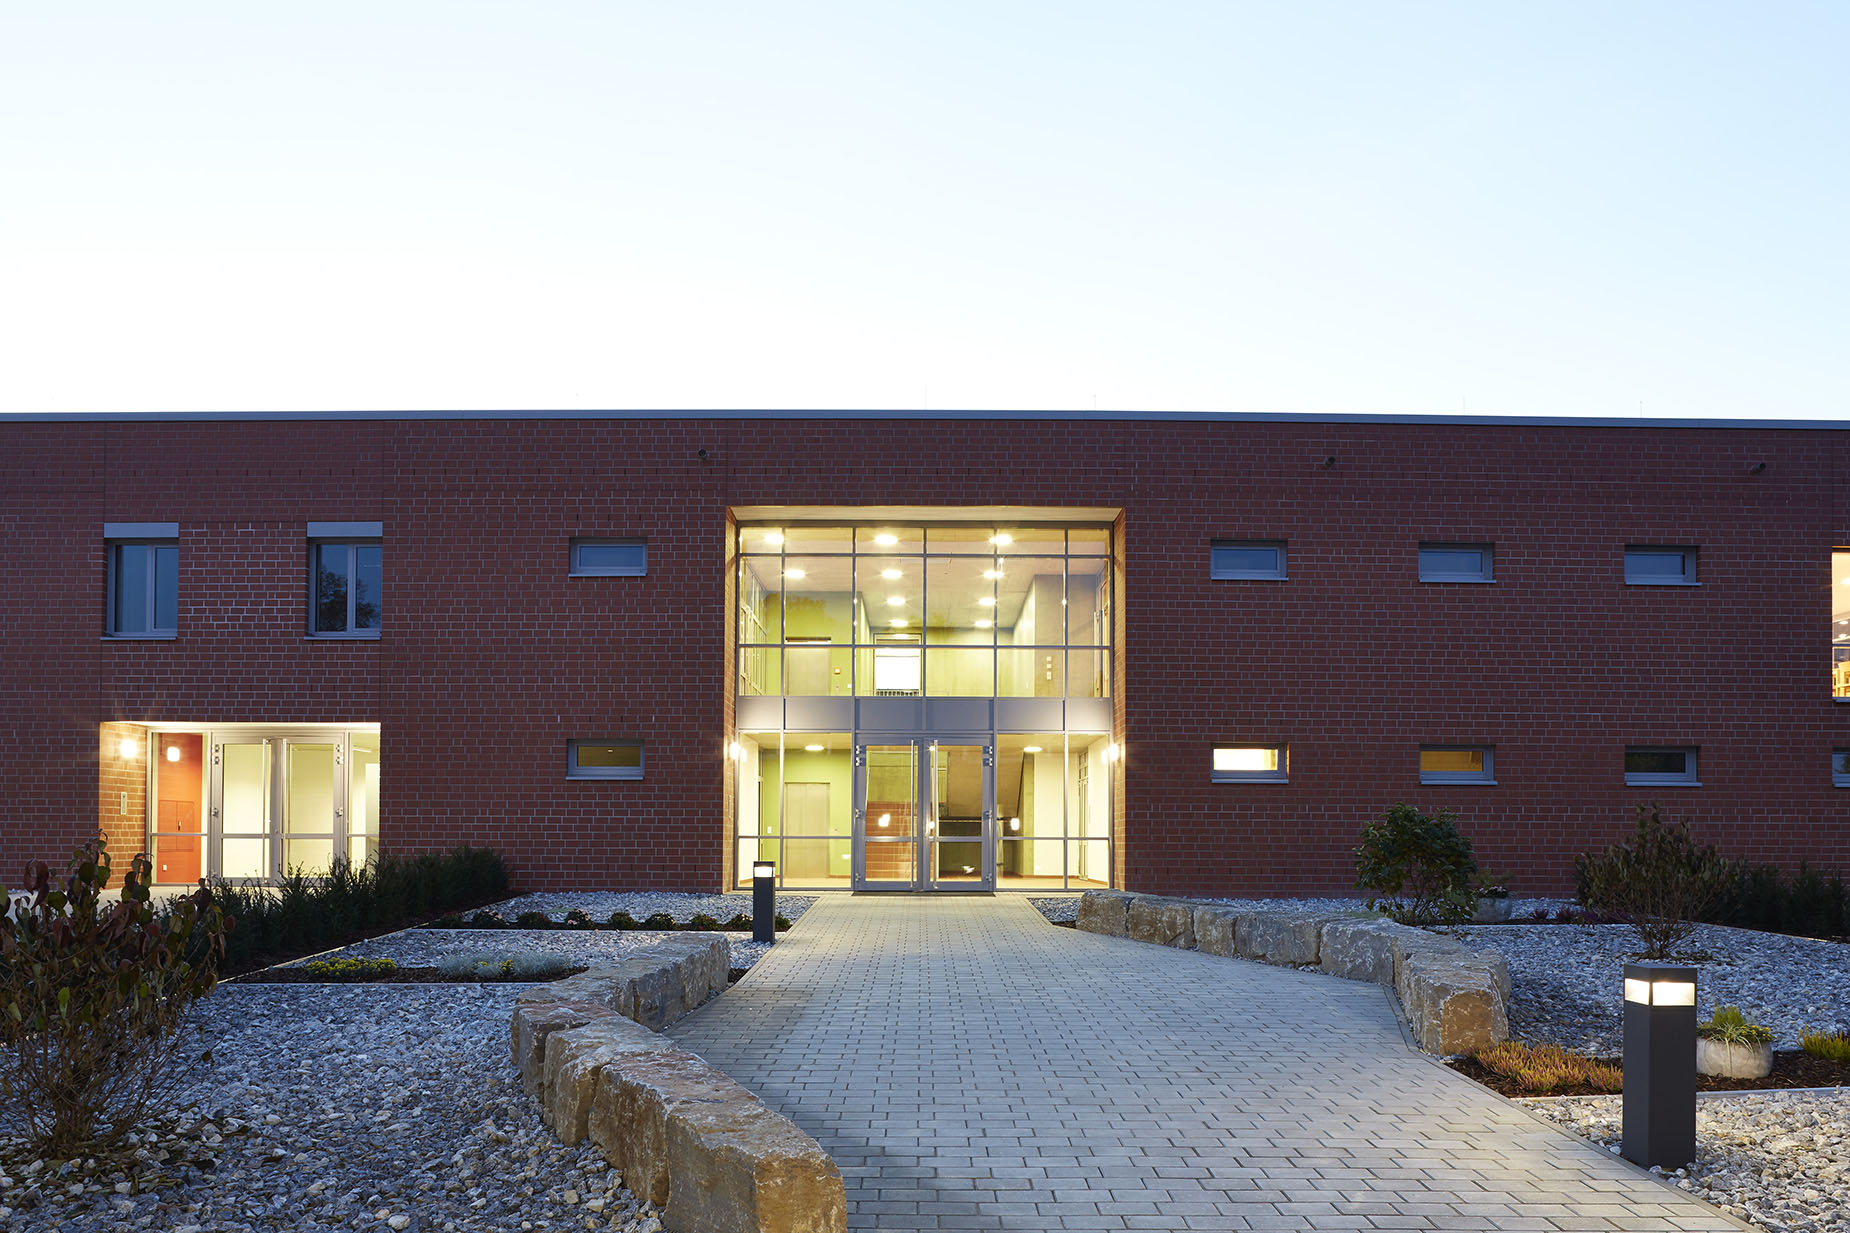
602 905
1780 1160
590 947
385 1107
1056 907
1566 980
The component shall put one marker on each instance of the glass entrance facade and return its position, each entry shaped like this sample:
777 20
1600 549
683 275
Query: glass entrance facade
929 767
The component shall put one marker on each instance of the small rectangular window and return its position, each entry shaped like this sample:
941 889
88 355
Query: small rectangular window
144 589
610 558
1455 563
1441 764
1249 764
1236 558
345 589
1840 768
603 760
1650 566
1648 766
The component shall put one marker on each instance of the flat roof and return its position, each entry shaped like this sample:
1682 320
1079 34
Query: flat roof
1236 417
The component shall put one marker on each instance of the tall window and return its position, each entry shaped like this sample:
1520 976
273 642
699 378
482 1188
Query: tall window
1840 624
346 576
144 589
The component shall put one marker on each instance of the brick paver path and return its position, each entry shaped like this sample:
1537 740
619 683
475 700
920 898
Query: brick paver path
971 1067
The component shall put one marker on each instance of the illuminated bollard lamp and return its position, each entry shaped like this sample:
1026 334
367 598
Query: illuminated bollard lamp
764 904
1660 1065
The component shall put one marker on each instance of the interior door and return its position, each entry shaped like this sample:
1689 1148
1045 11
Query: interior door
960 794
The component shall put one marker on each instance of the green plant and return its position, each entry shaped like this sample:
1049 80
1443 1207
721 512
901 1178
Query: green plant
350 968
94 997
701 921
1416 867
661 920
488 920
780 922
1831 1046
1660 881
578 918
1547 1068
533 920
482 965
623 920
1731 1027
1808 903
740 923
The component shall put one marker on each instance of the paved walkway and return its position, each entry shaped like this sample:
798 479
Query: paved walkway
971 1067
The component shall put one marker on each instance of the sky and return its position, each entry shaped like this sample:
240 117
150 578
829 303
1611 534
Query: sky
1583 209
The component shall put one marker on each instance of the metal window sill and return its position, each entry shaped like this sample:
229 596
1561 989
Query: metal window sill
141 637
1457 783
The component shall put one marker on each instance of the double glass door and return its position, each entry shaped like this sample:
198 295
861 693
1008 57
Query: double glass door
924 815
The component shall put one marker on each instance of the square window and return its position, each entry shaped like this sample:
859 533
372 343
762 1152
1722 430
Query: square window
603 760
1249 764
1840 768
1648 766
1238 558
344 588
144 589
1455 563
1441 764
610 558
1648 566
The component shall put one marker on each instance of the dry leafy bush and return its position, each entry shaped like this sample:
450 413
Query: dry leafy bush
93 997
1547 1068
1831 1046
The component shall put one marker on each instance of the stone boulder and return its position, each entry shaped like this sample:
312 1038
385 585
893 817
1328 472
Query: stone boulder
535 1020
1105 912
1214 929
740 1167
1277 937
1359 948
1165 922
574 1060
1451 1001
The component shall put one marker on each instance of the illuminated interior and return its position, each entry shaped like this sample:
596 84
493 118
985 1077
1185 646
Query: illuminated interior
1840 624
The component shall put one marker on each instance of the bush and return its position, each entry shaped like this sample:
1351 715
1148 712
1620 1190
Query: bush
1809 903
93 1000
623 920
1731 1027
740 923
533 920
780 922
303 915
350 969
483 965
1831 1046
1660 882
1547 1068
701 921
661 920
578 918
1416 867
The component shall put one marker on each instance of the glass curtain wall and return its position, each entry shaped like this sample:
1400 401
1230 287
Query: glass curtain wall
1053 829
1840 624
796 806
898 611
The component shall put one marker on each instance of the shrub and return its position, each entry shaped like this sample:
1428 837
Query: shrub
533 920
661 920
701 921
450 920
94 997
740 923
350 969
1547 1068
623 920
488 920
1809 903
1416 867
483 965
1660 881
578 918
1731 1027
1831 1046
779 922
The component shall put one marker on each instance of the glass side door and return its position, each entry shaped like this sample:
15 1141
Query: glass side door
960 815
886 832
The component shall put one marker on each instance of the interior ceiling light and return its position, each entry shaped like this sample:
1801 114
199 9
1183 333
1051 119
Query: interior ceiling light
774 538
812 749
1002 538
1030 749
895 601
796 573
889 574
986 601
986 623
992 574
886 539
898 622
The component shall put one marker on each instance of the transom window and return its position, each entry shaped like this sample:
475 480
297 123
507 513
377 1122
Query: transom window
1455 563
1249 764
1233 559
1664 766
1649 565
1442 764
587 759
957 610
610 558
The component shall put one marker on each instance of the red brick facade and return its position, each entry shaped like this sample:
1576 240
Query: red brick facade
492 657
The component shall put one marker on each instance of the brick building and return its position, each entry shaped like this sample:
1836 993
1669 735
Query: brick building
1181 653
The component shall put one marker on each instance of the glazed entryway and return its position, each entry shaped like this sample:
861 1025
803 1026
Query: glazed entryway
924 815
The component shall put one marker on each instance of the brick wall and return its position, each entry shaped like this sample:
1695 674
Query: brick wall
492 658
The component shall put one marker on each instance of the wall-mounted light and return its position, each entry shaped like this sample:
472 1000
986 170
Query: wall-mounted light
1014 824
173 753
1112 752
1757 468
1327 461
735 750
885 819
128 747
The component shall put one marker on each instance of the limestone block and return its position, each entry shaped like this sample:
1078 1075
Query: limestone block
634 1103
574 1059
1214 928
1358 949
1105 912
1452 1003
1166 922
1409 941
534 1022
737 1167
1277 937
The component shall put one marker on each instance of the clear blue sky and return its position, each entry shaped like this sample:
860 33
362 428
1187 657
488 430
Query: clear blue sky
1549 209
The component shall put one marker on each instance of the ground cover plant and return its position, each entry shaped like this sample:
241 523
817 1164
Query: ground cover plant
1416 867
1831 1046
1660 881
94 998
1550 1069
487 966
304 915
661 922
1729 1026
350 969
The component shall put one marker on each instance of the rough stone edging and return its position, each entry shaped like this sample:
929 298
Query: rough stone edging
684 1136
1455 999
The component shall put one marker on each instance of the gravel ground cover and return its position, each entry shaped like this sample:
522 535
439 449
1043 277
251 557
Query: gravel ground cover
602 905
1780 1160
385 1107
590 947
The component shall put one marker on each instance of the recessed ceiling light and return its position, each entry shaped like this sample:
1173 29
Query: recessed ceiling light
898 622
986 601
812 749
992 574
986 623
890 575
774 538
896 601
795 573
886 540
1030 749
1002 538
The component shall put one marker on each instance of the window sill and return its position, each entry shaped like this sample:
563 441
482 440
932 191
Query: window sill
1630 583
1457 783
608 573
1256 779
141 637
340 637
1478 581
1659 783
1249 578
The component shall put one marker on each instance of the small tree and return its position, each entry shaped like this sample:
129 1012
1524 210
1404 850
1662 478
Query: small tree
1660 881
1416 867
93 997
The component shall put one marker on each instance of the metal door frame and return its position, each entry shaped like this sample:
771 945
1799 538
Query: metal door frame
924 788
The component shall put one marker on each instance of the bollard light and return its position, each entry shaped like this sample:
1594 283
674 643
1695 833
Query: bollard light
764 903
1660 1065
